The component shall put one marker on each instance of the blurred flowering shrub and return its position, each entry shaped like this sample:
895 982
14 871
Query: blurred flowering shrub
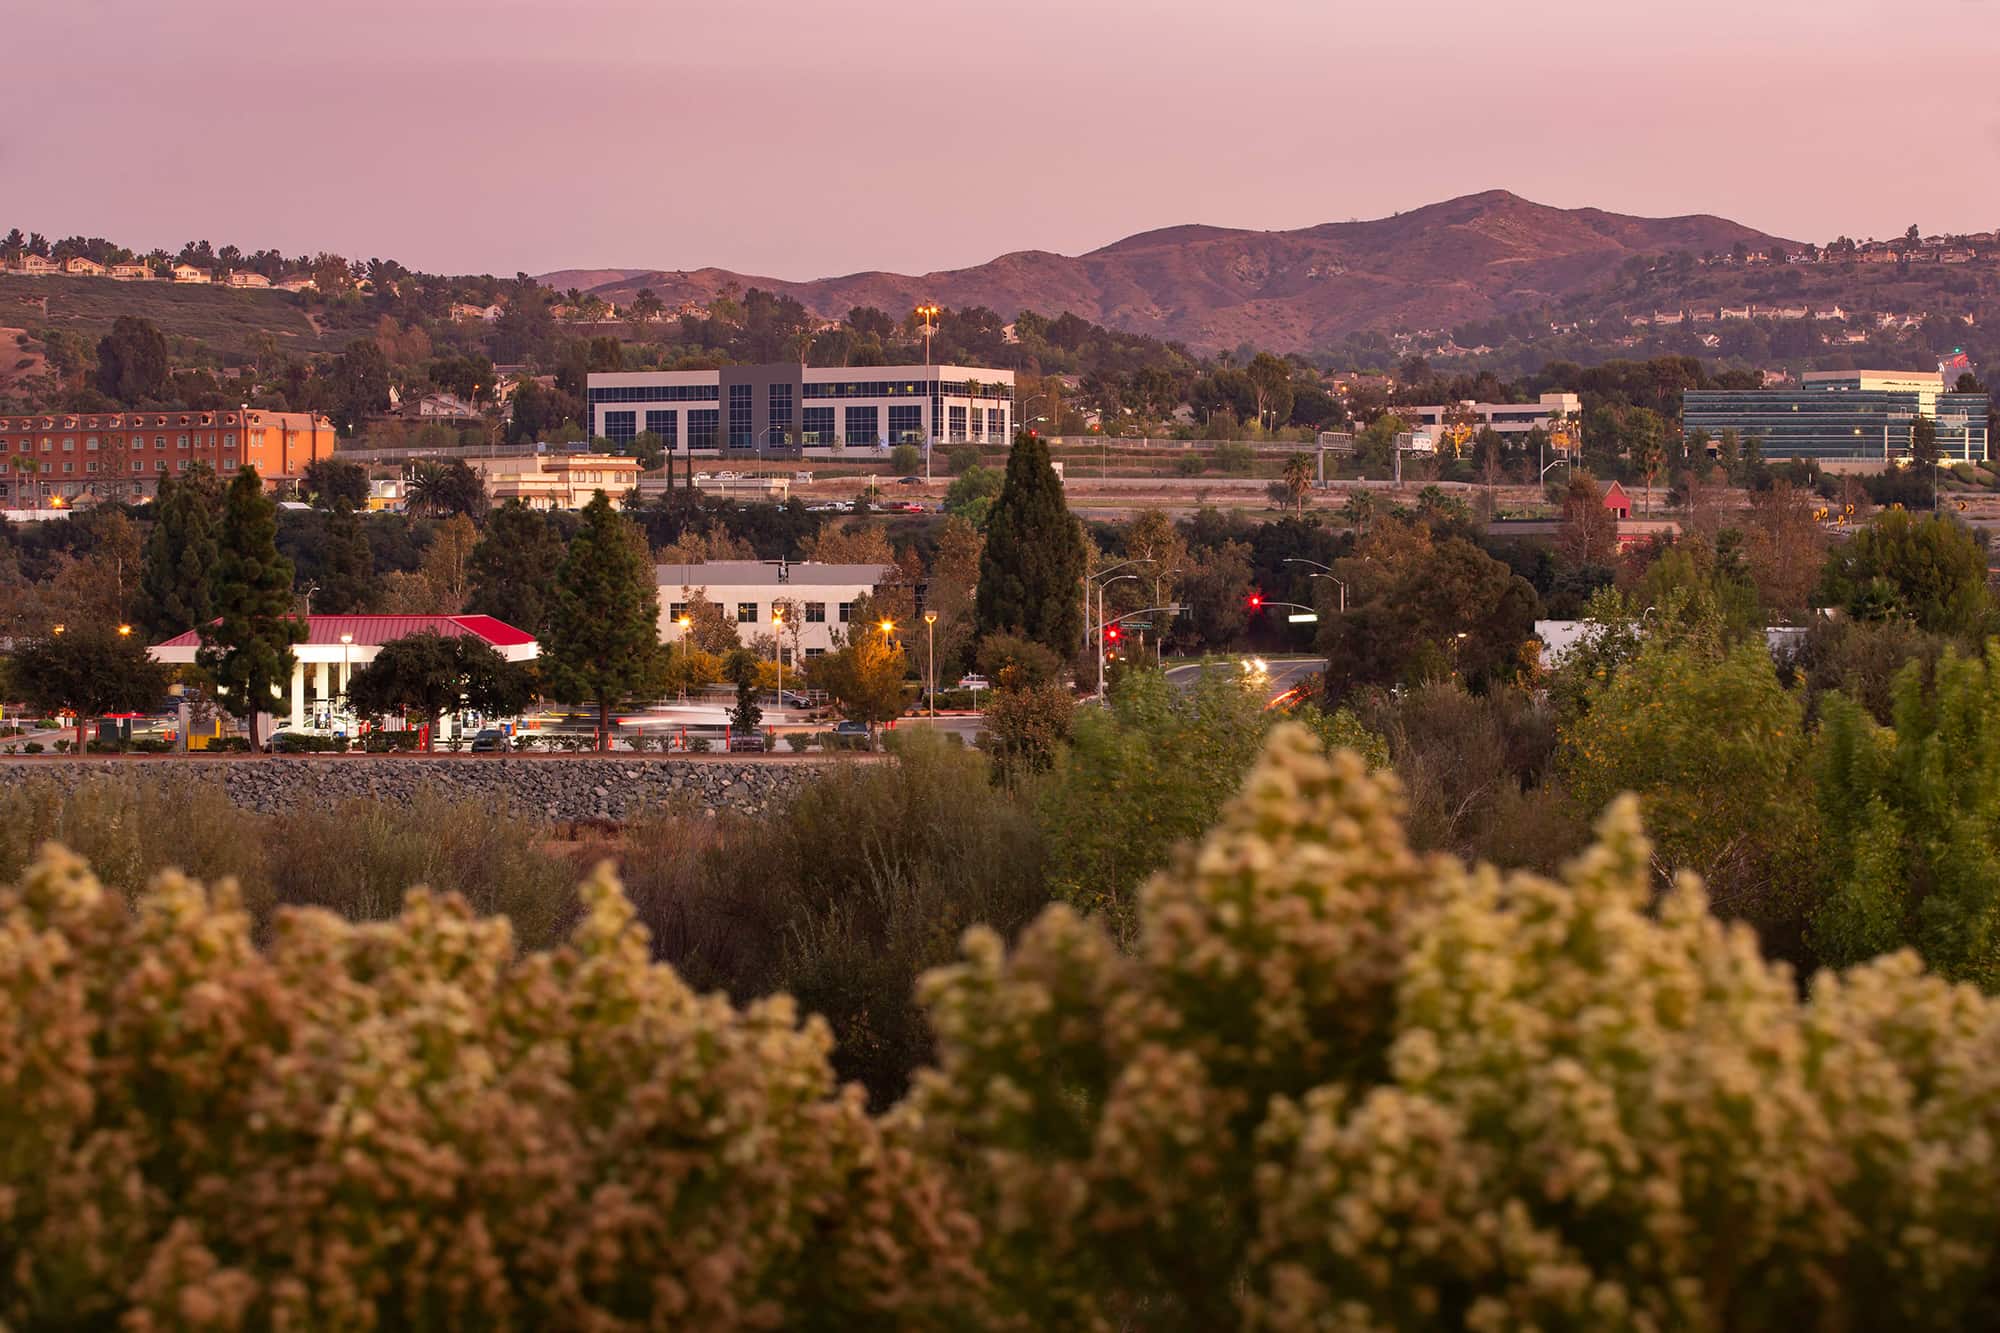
1336 1086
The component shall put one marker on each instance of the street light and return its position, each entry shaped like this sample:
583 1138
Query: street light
930 657
60 627
1325 573
778 650
124 631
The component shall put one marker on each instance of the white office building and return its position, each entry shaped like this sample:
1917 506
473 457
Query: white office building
1504 418
790 410
815 600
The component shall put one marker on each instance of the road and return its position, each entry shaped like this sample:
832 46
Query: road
1282 677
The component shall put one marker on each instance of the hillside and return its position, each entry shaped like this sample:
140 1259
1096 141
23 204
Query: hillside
230 322
1471 258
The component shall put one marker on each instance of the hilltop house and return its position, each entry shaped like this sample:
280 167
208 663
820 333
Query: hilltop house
189 273
35 264
245 278
132 272
79 267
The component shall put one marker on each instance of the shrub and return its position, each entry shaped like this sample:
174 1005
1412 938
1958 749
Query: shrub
34 747
571 1140
799 741
62 747
298 742
152 745
229 745
699 745
1189 464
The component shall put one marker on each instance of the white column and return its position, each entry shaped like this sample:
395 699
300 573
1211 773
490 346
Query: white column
322 678
298 695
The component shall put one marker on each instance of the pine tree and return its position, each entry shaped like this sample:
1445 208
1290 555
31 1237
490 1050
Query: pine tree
179 568
603 637
249 647
514 568
348 575
1030 575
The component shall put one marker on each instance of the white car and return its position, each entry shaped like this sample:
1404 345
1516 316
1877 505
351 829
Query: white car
974 683
703 476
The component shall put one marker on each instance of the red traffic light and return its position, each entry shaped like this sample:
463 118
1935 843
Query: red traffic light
1111 633
1256 601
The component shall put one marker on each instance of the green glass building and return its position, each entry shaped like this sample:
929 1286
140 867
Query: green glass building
1846 418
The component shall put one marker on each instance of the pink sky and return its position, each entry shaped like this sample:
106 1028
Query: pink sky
803 138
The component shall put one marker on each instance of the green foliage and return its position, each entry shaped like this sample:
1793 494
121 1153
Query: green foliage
1148 771
1009 659
1911 815
88 670
740 668
443 489
973 491
1024 727
905 459
603 637
1715 749
1031 571
249 649
358 385
331 481
429 674
1928 570
176 582
864 678
514 567
132 362
347 570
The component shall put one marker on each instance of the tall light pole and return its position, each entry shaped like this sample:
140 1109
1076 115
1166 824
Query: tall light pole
930 658
1325 573
1100 627
346 648
929 313
778 650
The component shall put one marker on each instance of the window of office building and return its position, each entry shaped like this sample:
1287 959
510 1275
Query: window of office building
746 613
864 425
846 612
621 427
815 613
90 443
180 441
159 465
138 465
957 420
675 610
68 466
666 425
906 425
48 444
69 444
781 412
229 439
740 417
816 425
91 466
994 428
159 441
702 424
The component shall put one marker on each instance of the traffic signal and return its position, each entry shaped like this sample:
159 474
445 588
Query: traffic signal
1111 634
1255 601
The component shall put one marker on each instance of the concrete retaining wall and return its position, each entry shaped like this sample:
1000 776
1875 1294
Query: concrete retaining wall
580 787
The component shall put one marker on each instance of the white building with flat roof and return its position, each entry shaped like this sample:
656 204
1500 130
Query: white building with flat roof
815 600
1505 418
788 410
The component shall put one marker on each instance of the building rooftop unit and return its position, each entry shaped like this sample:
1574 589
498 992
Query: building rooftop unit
769 573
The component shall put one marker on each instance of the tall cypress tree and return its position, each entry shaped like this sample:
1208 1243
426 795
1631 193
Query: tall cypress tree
179 567
514 568
347 575
249 647
1030 575
603 637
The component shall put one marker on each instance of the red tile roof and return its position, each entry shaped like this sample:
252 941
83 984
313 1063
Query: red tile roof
374 631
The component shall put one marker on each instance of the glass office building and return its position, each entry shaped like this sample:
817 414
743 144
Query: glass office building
790 410
1851 418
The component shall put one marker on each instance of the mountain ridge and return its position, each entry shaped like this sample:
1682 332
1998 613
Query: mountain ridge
1472 257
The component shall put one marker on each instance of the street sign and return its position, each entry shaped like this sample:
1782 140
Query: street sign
1303 617
1138 624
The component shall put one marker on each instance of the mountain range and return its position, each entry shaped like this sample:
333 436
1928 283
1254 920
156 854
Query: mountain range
1469 258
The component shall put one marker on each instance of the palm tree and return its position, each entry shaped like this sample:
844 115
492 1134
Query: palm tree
424 494
1360 509
1298 480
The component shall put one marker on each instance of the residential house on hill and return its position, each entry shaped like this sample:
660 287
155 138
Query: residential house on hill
79 267
245 278
132 272
189 273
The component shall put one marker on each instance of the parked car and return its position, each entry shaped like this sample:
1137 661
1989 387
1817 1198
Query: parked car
910 481
974 682
791 700
703 476
911 509
489 740
746 742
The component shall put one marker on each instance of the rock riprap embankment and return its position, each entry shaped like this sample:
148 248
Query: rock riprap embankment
557 788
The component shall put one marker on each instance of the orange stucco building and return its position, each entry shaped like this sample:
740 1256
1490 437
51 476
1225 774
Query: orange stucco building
81 457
